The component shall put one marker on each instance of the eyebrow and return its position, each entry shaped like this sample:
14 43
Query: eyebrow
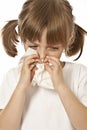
49 45
53 45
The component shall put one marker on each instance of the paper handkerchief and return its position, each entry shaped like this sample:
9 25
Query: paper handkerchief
42 77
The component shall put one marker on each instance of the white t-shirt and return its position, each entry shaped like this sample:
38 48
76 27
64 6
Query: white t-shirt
43 108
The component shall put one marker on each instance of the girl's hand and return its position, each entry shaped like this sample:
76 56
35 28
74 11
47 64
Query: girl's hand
28 70
55 70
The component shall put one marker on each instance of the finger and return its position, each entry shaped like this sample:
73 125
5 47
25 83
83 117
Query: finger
53 58
37 60
34 56
33 69
29 62
32 66
56 60
52 63
31 59
45 60
48 68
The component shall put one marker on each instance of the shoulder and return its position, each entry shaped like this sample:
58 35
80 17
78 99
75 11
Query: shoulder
9 81
12 72
78 70
10 77
8 86
76 66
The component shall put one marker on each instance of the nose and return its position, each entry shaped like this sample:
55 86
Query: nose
42 53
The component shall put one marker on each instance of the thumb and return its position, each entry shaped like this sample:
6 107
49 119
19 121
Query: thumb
48 68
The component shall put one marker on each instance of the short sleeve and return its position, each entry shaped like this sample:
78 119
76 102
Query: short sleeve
82 89
7 87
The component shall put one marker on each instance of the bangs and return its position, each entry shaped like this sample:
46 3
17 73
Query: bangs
58 29
45 15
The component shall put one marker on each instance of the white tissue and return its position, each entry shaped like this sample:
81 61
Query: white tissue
41 78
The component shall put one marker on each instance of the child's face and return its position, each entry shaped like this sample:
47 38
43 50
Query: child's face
43 49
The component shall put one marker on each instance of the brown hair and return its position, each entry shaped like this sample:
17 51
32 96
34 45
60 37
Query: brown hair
36 15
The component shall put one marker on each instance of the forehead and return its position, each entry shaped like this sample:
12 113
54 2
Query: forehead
43 40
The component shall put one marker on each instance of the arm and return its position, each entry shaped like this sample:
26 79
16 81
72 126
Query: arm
10 117
76 111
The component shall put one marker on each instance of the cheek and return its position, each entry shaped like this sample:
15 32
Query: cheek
60 53
56 54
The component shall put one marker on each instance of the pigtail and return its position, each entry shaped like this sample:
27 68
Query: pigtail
10 37
78 42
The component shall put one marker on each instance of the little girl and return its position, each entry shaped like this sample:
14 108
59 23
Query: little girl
59 100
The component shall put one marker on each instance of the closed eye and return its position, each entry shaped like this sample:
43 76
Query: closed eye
53 48
33 46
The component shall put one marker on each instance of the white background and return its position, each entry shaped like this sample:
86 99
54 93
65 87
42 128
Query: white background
9 9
